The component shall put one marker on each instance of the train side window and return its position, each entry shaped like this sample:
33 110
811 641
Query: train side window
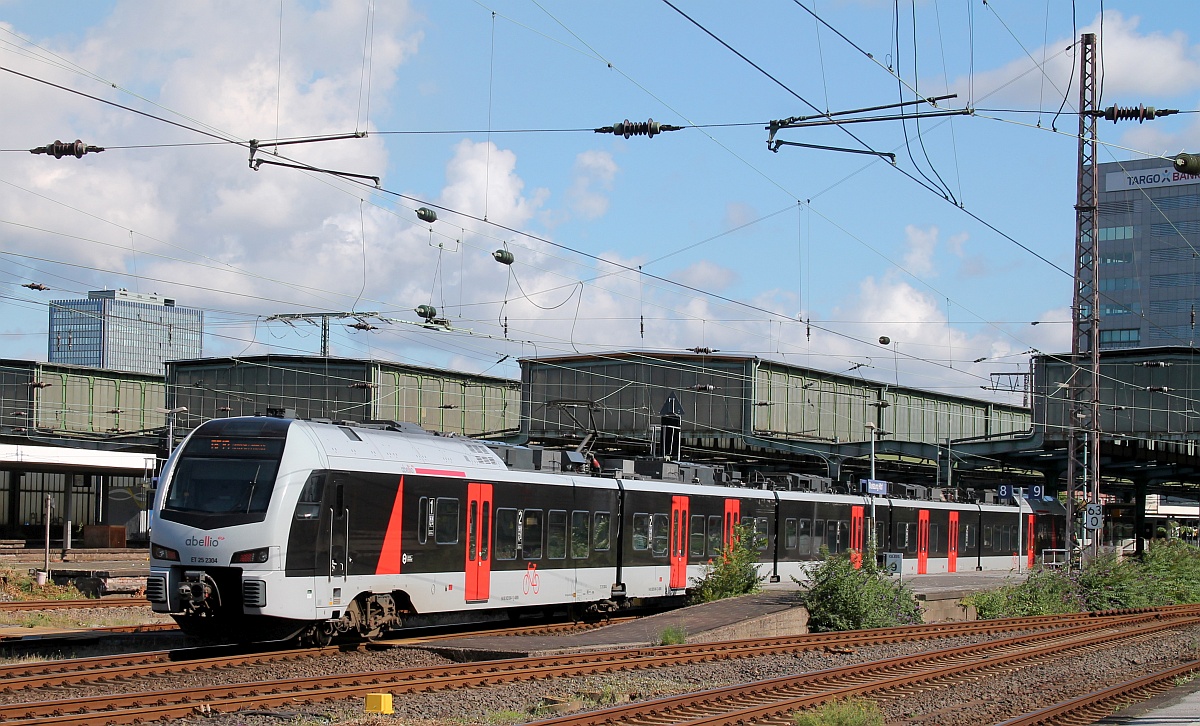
424 520
531 534
472 526
910 536
833 536
818 533
485 531
309 504
446 527
968 538
714 536
881 536
506 534
901 542
791 536
602 524
761 538
660 529
696 536
934 535
804 536
580 534
641 531
556 535
987 536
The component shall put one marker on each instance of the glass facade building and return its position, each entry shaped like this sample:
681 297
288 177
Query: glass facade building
123 331
1148 243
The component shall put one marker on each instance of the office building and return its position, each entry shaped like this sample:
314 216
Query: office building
1148 244
123 331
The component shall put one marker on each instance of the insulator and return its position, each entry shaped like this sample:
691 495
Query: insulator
425 214
629 128
504 257
60 149
426 312
1140 113
1187 163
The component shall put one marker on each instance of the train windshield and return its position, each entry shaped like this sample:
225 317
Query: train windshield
223 481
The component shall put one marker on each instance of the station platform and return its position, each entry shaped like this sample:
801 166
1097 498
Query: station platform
95 572
1178 707
776 611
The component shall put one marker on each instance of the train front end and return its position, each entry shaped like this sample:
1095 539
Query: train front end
216 563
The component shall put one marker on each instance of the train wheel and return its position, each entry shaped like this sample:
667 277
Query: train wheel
316 636
362 617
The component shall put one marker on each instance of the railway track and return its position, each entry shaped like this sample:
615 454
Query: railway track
120 708
87 603
1095 706
774 702
126 667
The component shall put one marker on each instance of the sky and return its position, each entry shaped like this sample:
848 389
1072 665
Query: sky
485 111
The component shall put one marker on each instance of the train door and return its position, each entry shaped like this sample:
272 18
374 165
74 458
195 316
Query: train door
856 535
678 539
922 541
952 549
733 516
1029 538
339 529
479 538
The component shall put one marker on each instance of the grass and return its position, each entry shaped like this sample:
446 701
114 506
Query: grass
20 585
851 712
673 635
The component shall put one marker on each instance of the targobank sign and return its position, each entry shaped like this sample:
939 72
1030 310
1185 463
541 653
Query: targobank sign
1116 181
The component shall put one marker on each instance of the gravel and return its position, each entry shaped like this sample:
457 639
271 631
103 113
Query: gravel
987 699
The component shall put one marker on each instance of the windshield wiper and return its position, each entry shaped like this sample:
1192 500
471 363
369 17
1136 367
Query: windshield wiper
253 485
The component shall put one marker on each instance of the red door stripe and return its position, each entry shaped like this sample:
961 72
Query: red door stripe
390 557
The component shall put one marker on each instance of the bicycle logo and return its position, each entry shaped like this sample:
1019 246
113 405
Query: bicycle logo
531 581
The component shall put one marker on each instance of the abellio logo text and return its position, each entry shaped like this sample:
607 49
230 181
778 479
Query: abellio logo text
204 541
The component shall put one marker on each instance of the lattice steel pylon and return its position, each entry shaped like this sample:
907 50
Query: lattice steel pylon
1083 441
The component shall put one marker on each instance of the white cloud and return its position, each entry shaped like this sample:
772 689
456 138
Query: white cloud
706 275
593 174
1135 64
922 243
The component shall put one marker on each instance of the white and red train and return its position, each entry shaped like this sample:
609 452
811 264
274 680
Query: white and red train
265 528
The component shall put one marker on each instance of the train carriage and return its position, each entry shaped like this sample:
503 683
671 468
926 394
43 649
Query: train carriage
266 528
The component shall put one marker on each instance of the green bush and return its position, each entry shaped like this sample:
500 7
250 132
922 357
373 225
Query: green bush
734 573
842 713
843 597
1045 592
673 635
1167 574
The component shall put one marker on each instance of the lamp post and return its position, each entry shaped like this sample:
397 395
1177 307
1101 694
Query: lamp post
873 544
872 428
171 426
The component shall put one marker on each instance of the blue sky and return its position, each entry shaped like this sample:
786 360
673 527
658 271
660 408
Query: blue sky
757 241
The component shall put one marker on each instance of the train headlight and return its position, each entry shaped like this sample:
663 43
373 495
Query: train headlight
159 552
257 556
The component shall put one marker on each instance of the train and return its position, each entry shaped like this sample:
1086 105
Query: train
274 528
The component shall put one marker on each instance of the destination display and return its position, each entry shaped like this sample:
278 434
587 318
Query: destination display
235 447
